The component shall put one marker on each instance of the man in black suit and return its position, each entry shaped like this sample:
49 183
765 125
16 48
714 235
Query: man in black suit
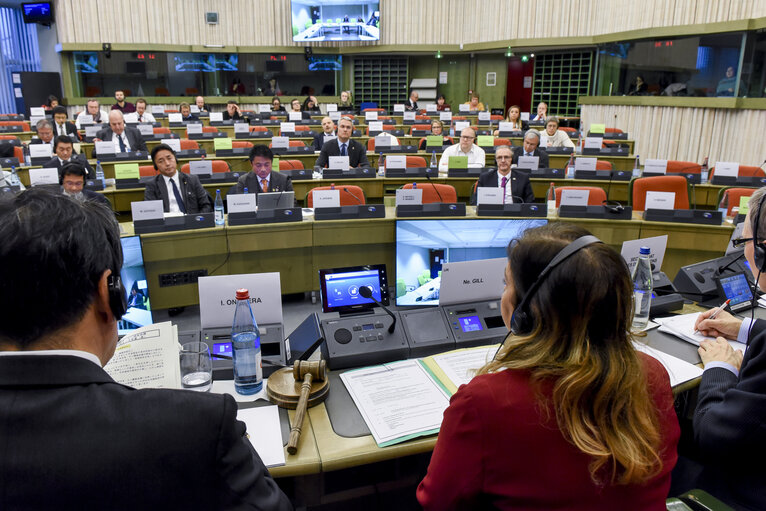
73 438
412 104
179 192
515 183
72 178
125 139
61 126
63 148
530 148
295 106
343 146
44 130
328 130
262 179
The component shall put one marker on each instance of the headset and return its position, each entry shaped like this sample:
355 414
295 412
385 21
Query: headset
118 295
759 252
522 320
75 168
613 206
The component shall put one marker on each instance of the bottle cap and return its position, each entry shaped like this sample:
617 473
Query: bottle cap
644 251
243 294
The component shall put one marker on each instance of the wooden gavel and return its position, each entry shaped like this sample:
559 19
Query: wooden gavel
307 371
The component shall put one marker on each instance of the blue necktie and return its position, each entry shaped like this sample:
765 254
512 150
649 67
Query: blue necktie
179 200
343 149
122 144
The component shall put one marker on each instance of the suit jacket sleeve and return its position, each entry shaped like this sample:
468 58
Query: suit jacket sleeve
152 190
317 142
363 161
526 191
544 160
324 156
137 144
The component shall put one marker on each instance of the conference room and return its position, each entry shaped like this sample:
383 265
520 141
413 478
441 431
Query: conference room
374 225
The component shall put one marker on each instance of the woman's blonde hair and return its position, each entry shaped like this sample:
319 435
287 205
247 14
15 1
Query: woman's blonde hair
580 341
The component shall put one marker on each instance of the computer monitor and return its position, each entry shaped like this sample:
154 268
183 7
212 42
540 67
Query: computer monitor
133 276
422 246
339 288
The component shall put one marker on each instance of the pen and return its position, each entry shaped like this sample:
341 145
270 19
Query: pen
717 311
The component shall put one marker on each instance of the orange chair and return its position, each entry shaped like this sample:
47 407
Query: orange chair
416 162
236 144
161 91
346 199
374 110
209 129
218 166
446 193
683 167
371 143
420 127
603 165
192 91
300 127
675 184
171 111
24 124
9 137
18 153
502 141
164 131
612 130
92 91
290 164
568 130
734 195
294 143
187 144
596 196
496 117
422 117
258 128
744 171
147 171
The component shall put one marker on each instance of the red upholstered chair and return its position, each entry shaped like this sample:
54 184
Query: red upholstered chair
240 143
612 130
416 162
675 184
734 195
18 153
9 137
568 129
209 129
374 110
496 117
290 164
164 131
346 197
422 117
420 127
24 124
293 143
596 196
446 192
187 144
300 127
219 166
258 128
744 171
148 171
172 111
683 167
603 165
503 141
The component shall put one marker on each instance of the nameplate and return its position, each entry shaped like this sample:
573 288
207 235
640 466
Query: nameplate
464 108
445 116
332 107
432 107
201 167
145 129
194 128
222 143
287 127
34 119
722 168
216 116
485 141
399 108
338 162
92 131
461 125
408 116
472 281
217 298
45 176
394 161
240 203
40 151
37 111
525 116
656 166
174 143
585 163
104 147
86 119
241 127
597 128
325 198
335 116
264 109
657 245
280 142
412 196
146 210
593 142
131 118
375 126
382 141
174 117
484 116
371 116
295 116
126 171
529 162
457 162
660 200
491 195
158 109
574 197
194 109
434 141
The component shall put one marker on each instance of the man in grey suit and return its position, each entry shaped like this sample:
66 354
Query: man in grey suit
179 192
73 438
343 146
262 179
125 139
530 148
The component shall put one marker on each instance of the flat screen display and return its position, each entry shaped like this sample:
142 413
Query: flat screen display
85 61
422 246
737 289
206 62
339 287
133 276
37 12
335 20
470 324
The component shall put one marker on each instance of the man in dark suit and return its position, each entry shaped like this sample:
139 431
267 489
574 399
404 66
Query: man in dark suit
61 126
179 192
515 183
73 438
262 179
44 130
412 104
186 114
125 139
72 178
295 106
343 146
530 148
328 130
63 148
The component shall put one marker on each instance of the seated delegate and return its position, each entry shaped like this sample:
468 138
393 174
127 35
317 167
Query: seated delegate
514 117
554 137
466 147
437 128
568 415
343 146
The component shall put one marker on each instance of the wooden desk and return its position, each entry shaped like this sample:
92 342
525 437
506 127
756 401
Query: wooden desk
306 461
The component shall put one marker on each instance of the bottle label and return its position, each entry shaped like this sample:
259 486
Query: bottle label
638 299
218 215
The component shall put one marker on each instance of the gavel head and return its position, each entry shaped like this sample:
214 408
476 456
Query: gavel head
317 369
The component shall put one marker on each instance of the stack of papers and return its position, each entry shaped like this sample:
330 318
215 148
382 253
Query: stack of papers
682 326
679 371
762 301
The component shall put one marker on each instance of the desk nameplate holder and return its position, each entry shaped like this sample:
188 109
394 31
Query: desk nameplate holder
396 149
694 179
7 163
131 182
751 181
253 134
138 156
191 154
517 209
559 150
230 122
292 150
604 175
207 135
603 212
93 185
174 223
267 216
350 212
234 151
545 173
354 173
412 172
272 348
686 216
469 172
434 209
298 174
156 137
218 177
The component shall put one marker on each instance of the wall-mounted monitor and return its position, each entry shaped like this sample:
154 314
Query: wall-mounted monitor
38 12
335 20
206 62
85 61
422 246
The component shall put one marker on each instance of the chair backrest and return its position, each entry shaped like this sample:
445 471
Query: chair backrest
148 170
683 167
416 162
423 118
596 196
746 171
496 117
164 131
294 143
734 195
24 124
503 141
612 130
218 166
371 143
172 111
290 164
18 153
373 110
259 128
300 127
676 184
9 137
346 199
187 144
240 143
209 129
446 193
603 165
568 129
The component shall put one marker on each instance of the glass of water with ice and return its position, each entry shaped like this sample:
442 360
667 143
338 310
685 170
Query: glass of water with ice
196 367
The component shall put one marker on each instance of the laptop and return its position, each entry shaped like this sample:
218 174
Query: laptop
275 200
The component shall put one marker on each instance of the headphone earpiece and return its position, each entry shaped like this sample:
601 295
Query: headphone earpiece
759 252
118 295
613 206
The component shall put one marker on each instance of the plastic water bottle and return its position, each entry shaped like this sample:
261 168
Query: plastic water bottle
246 347
100 174
433 165
704 172
246 191
637 167
218 208
381 165
570 173
642 290
551 201
15 181
723 207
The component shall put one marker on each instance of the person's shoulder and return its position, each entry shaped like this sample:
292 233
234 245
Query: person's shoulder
191 178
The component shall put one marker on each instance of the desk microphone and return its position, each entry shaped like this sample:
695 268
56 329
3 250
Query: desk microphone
435 188
345 189
366 292
722 269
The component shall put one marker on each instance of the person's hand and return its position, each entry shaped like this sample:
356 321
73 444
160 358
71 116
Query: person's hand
719 350
724 325
97 140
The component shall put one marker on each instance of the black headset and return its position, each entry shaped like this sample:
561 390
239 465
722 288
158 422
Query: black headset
522 321
759 252
118 295
72 167
613 206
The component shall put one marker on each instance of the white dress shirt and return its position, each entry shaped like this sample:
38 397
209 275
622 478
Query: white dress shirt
116 141
172 202
476 156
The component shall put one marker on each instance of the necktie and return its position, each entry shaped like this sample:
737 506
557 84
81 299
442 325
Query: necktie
140 118
343 150
264 185
62 131
179 200
502 185
122 145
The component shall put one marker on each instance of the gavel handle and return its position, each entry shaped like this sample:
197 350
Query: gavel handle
300 413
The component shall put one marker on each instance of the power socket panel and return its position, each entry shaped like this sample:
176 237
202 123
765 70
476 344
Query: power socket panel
181 278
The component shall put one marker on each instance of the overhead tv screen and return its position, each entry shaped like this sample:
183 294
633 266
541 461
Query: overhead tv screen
206 62
335 20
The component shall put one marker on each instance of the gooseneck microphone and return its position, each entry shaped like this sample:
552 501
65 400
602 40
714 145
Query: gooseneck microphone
436 189
366 292
345 189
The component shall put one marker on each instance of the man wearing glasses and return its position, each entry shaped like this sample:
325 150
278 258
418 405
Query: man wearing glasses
516 184
465 147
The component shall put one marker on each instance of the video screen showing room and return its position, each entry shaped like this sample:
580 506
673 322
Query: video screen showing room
133 276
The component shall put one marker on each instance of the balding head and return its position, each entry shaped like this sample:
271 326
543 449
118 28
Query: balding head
467 136
116 122
328 126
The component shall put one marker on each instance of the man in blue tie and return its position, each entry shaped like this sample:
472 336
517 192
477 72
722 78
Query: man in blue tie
179 192
515 183
343 146
125 139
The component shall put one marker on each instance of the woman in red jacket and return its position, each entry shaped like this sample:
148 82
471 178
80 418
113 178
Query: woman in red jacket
568 415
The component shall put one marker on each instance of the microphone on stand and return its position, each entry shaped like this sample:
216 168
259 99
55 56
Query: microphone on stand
345 189
366 292
435 188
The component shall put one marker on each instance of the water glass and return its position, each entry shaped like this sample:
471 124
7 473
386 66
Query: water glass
196 367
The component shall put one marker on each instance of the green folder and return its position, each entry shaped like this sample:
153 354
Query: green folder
434 140
597 128
485 141
221 143
126 171
457 162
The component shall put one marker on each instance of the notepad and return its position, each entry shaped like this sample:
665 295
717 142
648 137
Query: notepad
682 326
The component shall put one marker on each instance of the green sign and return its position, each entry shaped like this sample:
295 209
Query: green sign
434 141
485 141
743 204
275 164
221 143
457 162
126 171
597 128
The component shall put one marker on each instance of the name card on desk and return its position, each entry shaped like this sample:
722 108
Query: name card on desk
335 116
657 245
457 162
722 168
371 116
34 119
445 116
126 171
338 162
434 140
104 147
326 198
529 162
656 166
585 163
222 143
375 126
146 210
86 119
660 200
131 118
40 151
485 141
412 196
174 143
472 281
394 161
332 107
505 126
194 109
598 128
45 176
431 107
158 109
464 108
408 116
241 127
460 126
145 129
525 116
491 195
325 138
216 116
217 298
240 203
382 141
92 131
37 111
201 167
574 197
280 142
264 109
295 116
593 142
484 116
194 128
399 108
287 127
174 117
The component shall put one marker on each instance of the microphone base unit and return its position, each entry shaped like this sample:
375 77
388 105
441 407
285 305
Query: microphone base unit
698 280
694 179
191 154
122 184
291 150
348 174
206 135
433 209
665 304
298 174
603 212
363 340
738 180
350 212
174 223
524 210
234 151
686 216
253 134
412 172
395 149
559 150
546 173
218 177
129 156
469 172
476 324
267 216
604 175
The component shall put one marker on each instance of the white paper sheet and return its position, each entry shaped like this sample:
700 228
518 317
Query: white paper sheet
679 370
265 434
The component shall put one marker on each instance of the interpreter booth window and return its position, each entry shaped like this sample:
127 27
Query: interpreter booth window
141 73
753 76
699 66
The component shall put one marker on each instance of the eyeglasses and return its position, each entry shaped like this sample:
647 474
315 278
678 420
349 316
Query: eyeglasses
466 137
740 241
